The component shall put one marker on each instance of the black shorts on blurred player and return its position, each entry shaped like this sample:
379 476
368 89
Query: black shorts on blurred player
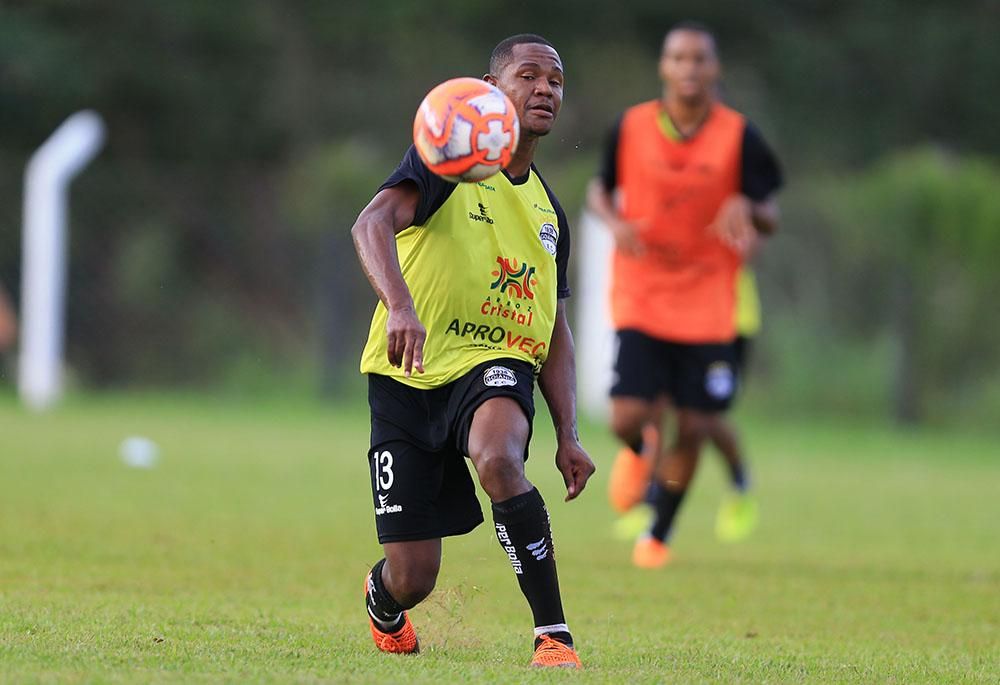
741 353
703 377
421 485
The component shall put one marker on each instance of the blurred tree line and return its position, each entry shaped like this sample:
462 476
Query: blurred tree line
210 240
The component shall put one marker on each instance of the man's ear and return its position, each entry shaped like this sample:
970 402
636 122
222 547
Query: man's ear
490 79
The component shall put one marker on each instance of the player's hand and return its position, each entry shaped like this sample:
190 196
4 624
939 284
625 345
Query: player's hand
626 235
734 224
575 466
406 336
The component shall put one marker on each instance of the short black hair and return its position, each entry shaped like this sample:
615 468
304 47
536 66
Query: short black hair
695 26
503 53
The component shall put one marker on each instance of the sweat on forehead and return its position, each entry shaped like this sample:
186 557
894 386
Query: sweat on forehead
503 53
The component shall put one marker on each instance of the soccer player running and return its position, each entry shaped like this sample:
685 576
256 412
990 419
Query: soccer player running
685 185
471 280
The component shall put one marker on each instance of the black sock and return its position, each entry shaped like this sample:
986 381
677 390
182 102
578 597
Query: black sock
652 492
738 476
666 505
382 607
522 527
636 445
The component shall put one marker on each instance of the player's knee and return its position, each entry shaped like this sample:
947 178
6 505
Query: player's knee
627 428
501 473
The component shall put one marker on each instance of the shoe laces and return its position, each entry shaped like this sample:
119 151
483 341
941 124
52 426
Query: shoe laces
551 652
403 639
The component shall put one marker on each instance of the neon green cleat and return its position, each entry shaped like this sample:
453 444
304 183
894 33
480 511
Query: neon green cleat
634 523
737 517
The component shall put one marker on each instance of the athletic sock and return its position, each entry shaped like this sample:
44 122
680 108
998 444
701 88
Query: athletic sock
652 492
738 477
382 607
666 505
522 527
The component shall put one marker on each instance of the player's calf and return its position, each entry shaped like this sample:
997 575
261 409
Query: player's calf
523 530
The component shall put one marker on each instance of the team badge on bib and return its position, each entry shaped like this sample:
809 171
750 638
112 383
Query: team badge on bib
719 381
498 376
547 234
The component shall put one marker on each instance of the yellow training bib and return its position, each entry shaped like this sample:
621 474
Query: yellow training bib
482 273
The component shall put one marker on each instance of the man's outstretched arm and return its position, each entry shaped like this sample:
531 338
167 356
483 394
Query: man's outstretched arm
374 233
558 384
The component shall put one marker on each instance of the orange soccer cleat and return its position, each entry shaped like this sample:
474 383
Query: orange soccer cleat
650 553
631 472
550 653
403 641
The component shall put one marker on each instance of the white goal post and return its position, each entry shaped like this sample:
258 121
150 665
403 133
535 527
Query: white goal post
44 249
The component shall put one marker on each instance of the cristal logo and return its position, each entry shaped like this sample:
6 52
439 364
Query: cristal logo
513 280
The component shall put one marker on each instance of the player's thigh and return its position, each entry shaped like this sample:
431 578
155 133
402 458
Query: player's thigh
499 426
493 407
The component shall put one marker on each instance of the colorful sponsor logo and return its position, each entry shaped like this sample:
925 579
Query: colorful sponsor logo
498 335
516 281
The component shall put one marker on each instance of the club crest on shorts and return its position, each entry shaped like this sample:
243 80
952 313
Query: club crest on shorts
549 237
719 381
498 376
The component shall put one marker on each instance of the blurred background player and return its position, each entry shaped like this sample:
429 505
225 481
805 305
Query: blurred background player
738 513
473 399
685 186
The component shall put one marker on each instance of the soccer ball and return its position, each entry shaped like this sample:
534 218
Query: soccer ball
466 130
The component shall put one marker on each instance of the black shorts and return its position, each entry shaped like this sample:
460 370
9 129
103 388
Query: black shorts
694 376
421 485
741 353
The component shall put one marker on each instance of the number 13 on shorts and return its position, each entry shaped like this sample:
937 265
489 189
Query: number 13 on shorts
382 467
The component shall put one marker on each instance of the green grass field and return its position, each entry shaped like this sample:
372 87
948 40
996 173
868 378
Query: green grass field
240 558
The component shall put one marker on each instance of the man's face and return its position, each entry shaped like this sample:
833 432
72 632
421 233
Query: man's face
533 80
689 65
